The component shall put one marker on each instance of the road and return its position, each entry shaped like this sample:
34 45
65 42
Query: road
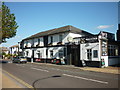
46 76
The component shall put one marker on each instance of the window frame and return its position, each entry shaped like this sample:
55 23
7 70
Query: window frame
60 38
112 50
61 53
51 39
51 53
95 54
89 54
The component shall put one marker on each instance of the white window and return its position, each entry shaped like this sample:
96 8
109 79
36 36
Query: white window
61 53
38 41
51 53
89 54
39 54
27 53
60 38
51 39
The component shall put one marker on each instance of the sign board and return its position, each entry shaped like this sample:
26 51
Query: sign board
104 47
89 39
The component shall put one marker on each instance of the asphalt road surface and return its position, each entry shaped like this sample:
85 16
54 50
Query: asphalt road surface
43 76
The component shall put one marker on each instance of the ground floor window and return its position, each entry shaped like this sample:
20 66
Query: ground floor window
61 53
89 54
27 53
39 54
95 53
51 53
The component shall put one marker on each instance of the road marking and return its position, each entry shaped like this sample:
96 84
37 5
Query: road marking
86 79
17 79
40 69
20 65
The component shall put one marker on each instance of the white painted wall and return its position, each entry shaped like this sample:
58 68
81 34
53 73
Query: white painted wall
14 49
55 41
83 51
55 52
29 53
65 40
105 59
42 51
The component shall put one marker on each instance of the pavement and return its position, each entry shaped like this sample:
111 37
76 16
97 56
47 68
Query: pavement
8 82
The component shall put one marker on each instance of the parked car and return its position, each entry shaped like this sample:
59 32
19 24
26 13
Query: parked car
19 59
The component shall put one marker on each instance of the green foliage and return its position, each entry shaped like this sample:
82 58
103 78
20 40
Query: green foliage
8 55
3 53
9 24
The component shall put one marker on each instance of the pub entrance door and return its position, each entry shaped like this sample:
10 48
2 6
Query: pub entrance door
73 55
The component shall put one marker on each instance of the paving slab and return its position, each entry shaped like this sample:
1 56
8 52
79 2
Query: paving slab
7 82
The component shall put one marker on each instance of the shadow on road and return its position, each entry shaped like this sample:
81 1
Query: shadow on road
55 76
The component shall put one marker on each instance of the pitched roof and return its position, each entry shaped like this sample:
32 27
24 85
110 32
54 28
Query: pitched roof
4 49
14 46
67 28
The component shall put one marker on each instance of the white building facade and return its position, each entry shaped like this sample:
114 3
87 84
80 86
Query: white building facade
14 49
70 45
51 45
99 50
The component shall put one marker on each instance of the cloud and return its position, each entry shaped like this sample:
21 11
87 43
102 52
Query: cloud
104 26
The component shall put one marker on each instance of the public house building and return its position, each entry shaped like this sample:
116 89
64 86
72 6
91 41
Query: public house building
71 46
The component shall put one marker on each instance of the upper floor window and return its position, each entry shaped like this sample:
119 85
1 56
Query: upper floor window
60 38
33 42
38 40
51 39
26 43
112 50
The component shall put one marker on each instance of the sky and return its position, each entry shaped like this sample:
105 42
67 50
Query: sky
34 17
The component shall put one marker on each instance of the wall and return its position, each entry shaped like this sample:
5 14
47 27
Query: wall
55 52
29 53
105 60
14 49
42 51
113 60
83 51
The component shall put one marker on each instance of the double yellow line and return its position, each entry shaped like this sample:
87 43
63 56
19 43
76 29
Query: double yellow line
19 80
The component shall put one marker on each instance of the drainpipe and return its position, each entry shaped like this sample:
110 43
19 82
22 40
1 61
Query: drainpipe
32 56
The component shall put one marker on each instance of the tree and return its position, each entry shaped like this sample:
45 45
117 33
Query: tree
9 24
